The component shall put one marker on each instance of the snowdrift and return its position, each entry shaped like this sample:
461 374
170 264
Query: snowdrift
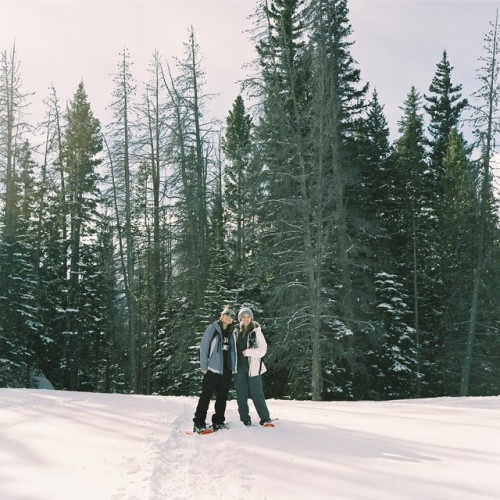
65 445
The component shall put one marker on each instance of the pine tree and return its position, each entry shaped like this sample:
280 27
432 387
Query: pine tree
82 145
391 353
285 213
369 201
457 214
52 217
382 306
445 105
311 97
20 312
410 222
239 182
18 315
337 103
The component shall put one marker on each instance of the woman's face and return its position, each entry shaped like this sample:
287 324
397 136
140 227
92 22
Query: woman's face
246 319
227 319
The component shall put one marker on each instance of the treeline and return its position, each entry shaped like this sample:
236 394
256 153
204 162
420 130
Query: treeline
372 265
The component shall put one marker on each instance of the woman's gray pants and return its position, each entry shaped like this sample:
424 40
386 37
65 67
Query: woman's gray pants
250 387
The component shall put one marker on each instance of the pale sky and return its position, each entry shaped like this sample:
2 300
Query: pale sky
397 44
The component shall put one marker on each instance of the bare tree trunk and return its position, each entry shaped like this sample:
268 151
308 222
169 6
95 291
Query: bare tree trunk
416 324
9 76
201 174
125 264
491 97
157 296
121 172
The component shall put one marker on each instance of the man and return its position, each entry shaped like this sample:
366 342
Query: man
217 362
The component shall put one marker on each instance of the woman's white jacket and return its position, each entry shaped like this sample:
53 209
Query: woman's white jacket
256 339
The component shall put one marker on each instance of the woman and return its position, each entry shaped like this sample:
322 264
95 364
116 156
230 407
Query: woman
251 346
217 362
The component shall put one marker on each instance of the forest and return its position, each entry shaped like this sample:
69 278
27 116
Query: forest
372 264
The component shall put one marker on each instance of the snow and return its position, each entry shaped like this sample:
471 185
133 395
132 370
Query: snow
58 445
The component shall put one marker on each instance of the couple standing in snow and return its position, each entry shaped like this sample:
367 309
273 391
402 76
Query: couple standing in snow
225 350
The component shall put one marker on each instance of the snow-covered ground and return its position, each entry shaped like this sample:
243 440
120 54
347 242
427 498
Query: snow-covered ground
80 446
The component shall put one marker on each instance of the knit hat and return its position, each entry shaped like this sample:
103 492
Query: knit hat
229 312
245 310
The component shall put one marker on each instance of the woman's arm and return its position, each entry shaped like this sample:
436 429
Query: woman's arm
259 351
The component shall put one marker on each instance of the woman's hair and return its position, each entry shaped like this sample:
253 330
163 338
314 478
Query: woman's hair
246 328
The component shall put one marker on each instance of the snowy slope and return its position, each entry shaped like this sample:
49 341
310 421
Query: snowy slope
65 445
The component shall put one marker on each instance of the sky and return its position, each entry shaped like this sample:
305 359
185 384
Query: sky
57 445
397 44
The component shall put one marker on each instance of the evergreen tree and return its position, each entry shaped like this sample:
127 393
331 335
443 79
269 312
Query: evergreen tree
382 357
337 103
239 183
410 222
391 354
102 346
51 243
285 213
18 314
369 201
82 145
312 96
111 343
457 214
444 105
